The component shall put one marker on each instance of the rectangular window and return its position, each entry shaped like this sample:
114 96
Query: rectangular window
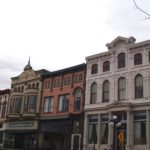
48 104
63 105
122 88
30 103
140 128
17 105
92 129
104 129
77 99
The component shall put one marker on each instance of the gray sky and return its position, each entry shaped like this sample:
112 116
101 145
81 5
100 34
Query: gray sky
60 33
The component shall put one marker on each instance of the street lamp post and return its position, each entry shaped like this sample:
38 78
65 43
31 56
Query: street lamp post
114 122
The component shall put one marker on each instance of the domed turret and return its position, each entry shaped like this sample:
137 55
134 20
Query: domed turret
28 66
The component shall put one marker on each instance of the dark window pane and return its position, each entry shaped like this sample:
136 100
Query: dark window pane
138 59
106 66
121 60
93 93
106 91
94 69
138 86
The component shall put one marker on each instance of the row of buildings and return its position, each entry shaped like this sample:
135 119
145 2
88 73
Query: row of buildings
71 109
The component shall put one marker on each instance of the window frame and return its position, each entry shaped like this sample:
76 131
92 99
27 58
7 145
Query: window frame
93 95
106 66
106 91
30 103
138 59
65 103
94 69
121 89
138 88
77 99
121 60
49 106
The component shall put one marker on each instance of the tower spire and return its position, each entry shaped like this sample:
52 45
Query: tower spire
29 61
28 66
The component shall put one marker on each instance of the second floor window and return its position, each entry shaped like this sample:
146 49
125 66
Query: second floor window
106 66
48 104
93 93
138 86
30 103
94 69
63 103
138 59
4 109
106 91
121 60
15 105
121 88
77 100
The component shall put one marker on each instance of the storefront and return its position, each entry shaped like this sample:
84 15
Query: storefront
55 134
21 134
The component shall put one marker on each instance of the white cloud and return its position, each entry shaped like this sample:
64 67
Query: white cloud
58 34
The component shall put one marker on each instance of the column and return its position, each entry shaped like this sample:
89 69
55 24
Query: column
148 129
130 135
146 87
110 134
99 132
85 137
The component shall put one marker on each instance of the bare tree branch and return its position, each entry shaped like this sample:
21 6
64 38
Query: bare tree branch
142 10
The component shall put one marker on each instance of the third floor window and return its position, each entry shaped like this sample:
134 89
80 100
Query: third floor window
106 66
121 60
138 59
94 69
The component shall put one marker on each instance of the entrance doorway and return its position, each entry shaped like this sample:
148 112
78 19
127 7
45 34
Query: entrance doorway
75 141
121 131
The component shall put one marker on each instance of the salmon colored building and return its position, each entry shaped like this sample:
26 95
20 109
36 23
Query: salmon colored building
61 121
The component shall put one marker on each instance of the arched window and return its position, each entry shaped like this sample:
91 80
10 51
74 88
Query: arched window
94 69
121 60
93 93
77 100
106 66
106 87
138 59
121 88
138 86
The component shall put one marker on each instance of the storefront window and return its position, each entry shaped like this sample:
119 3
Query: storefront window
92 129
140 128
104 129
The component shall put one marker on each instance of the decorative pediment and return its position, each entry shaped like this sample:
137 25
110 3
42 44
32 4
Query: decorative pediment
119 104
27 75
119 41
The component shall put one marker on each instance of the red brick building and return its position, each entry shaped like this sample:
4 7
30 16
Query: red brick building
61 122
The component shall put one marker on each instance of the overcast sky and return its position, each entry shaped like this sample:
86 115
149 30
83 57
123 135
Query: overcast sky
60 33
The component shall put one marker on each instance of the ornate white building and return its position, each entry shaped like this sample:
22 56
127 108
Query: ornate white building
118 83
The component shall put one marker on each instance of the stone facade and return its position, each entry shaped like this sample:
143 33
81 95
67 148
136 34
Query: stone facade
21 126
118 83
